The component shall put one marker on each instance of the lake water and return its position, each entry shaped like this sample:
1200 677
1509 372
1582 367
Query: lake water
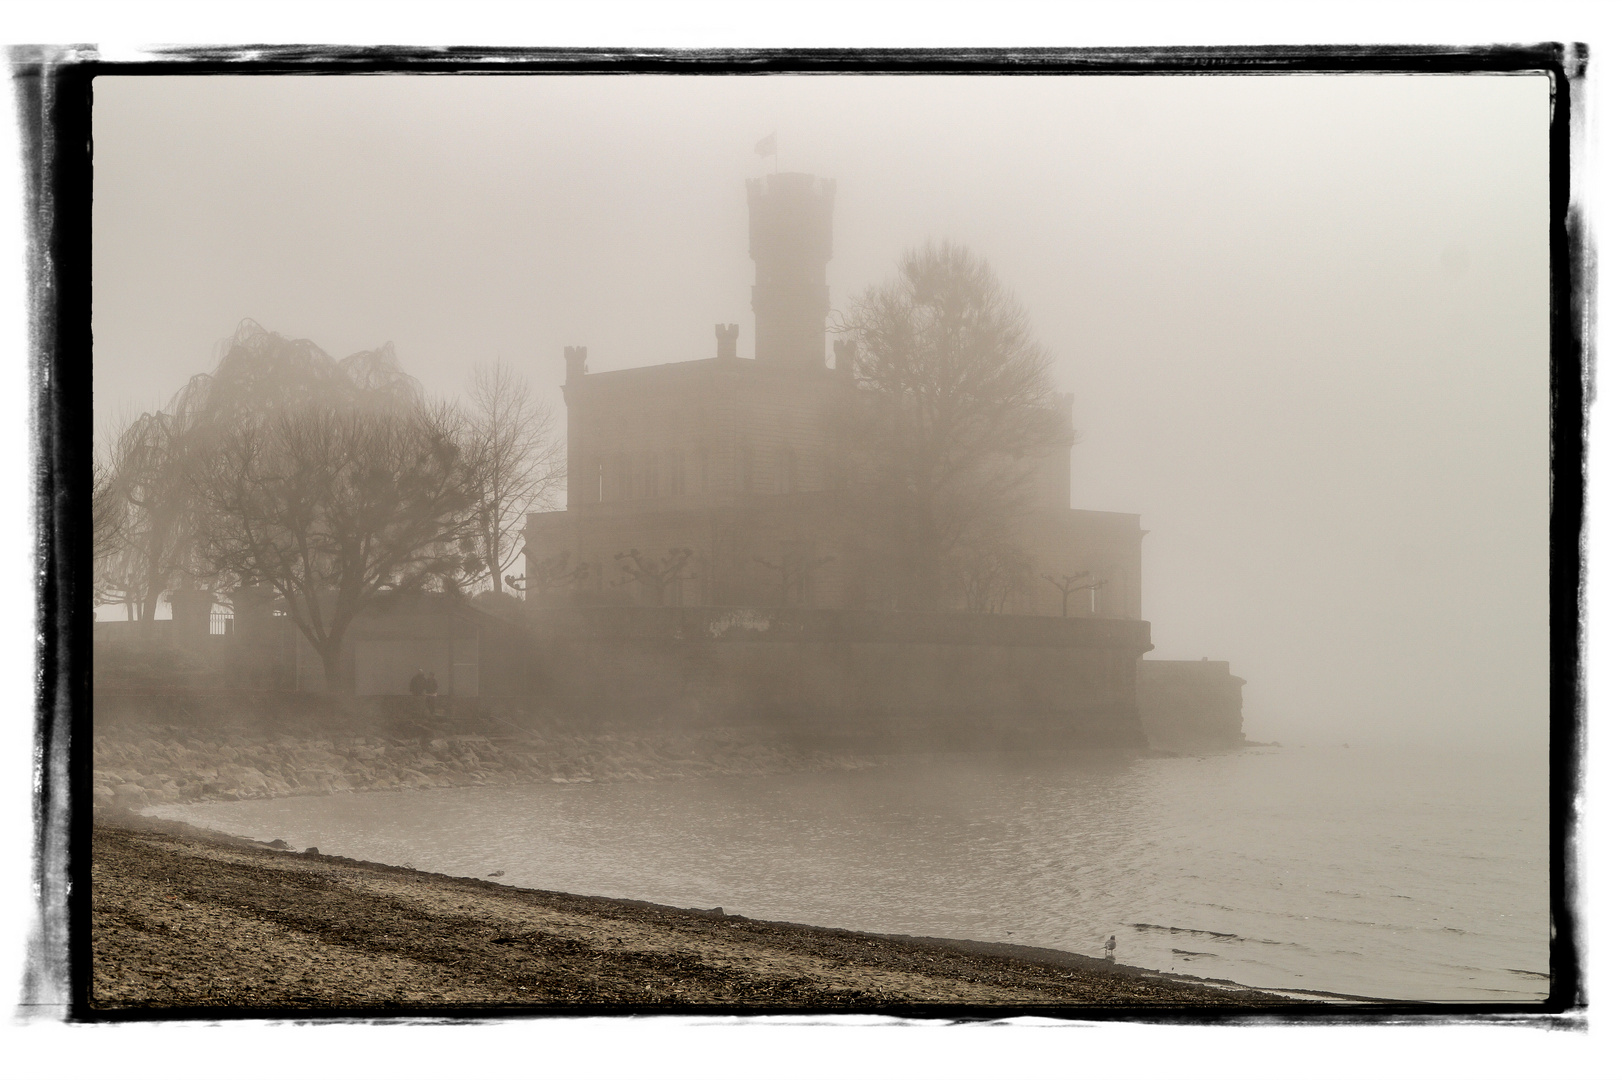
1381 873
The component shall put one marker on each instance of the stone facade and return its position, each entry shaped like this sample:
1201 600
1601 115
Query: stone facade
723 473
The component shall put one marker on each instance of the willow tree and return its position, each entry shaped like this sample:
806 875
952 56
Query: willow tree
957 406
142 514
145 517
109 537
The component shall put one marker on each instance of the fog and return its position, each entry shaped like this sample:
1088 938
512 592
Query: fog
1304 318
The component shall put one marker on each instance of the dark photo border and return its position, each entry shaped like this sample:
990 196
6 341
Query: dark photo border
54 93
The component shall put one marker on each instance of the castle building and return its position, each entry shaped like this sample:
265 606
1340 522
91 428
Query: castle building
717 481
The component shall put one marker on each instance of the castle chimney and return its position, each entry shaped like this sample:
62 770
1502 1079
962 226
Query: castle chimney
845 358
577 484
791 241
726 341
574 362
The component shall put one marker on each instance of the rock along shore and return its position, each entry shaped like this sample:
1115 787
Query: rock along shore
152 765
189 921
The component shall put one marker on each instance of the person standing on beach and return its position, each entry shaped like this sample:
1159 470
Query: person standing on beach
419 687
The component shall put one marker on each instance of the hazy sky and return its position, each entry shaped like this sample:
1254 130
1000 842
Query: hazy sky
1304 318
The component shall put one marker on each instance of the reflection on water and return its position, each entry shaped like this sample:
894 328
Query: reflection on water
1407 875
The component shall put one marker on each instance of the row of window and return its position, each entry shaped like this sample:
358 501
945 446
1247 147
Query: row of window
650 475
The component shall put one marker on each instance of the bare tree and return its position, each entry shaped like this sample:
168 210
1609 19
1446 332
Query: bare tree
330 505
957 406
793 572
145 516
654 575
555 572
991 573
1073 583
516 465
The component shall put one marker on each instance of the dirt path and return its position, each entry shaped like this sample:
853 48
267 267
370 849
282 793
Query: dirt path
183 919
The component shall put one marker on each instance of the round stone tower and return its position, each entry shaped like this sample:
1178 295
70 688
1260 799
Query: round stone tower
791 238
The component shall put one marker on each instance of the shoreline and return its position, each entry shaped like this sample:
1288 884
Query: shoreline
141 765
195 920
156 765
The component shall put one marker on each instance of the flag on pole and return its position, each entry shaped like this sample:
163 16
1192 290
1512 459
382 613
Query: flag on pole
767 147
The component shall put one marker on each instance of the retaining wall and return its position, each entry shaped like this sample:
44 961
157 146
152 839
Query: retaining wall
1191 704
850 679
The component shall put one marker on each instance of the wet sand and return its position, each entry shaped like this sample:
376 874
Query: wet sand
194 922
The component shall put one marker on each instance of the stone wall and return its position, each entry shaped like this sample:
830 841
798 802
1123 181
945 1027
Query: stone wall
1190 704
857 680
863 680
